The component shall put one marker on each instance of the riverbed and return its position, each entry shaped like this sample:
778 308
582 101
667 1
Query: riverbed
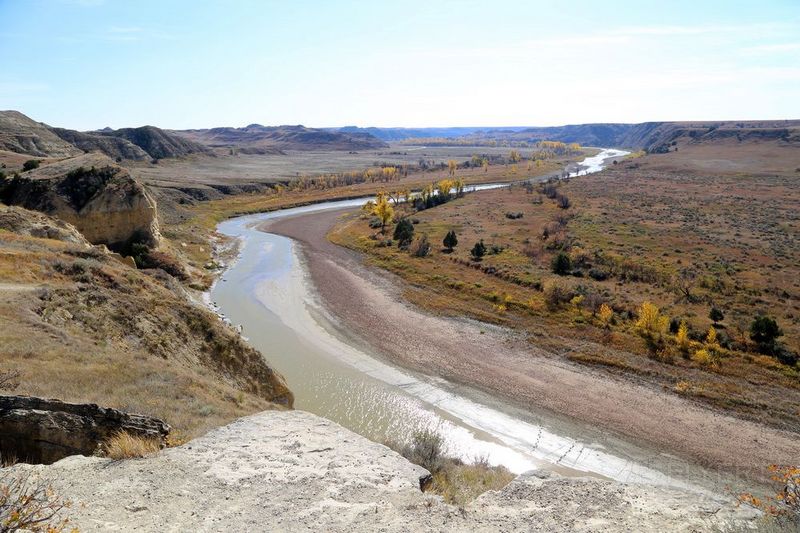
269 294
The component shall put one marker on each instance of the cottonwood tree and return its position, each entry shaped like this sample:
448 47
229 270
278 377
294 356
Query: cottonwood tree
383 210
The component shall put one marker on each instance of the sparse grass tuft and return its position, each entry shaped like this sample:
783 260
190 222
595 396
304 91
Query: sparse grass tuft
123 445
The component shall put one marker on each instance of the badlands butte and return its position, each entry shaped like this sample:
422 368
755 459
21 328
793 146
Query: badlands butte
109 246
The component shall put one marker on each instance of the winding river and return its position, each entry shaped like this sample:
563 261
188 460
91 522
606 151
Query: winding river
267 292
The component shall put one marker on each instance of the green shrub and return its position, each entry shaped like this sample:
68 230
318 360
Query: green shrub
478 251
30 164
404 233
561 264
764 331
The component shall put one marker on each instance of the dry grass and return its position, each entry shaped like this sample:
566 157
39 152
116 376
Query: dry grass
638 231
89 329
123 445
29 503
458 483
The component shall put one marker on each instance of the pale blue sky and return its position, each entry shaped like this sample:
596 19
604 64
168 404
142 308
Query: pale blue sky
178 63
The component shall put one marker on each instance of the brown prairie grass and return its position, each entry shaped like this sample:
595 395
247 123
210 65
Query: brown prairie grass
123 445
631 235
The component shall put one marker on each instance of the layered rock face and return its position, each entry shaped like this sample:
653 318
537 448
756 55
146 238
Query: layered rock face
20 134
102 200
36 430
294 471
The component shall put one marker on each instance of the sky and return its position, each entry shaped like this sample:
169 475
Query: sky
88 64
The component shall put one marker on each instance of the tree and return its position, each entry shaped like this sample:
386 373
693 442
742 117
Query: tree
450 240
404 233
764 331
514 156
485 164
711 337
383 210
652 326
716 315
605 314
478 251
682 338
452 165
30 164
561 264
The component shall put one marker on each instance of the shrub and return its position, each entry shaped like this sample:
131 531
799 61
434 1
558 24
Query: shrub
556 294
550 190
764 331
598 274
9 379
514 216
374 223
561 264
30 164
458 483
563 202
404 233
450 240
478 251
716 315
426 449
422 247
123 445
28 504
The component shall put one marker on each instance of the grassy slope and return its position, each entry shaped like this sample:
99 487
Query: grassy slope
82 327
736 234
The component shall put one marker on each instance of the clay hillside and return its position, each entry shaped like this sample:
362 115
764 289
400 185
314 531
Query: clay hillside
258 139
651 136
22 136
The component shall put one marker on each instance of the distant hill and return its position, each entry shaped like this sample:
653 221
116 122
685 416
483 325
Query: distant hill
652 136
658 136
258 139
23 135
399 134
114 147
157 142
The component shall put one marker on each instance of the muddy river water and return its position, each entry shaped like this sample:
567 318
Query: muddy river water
268 292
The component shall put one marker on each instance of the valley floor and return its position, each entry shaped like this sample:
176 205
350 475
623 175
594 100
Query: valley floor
369 305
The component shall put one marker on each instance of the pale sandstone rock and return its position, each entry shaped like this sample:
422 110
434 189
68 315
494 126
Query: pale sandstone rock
294 471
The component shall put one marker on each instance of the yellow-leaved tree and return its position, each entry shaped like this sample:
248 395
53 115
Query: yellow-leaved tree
682 338
605 313
383 210
652 326
711 337
452 166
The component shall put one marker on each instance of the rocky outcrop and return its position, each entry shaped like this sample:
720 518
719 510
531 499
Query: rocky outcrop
102 200
293 471
35 430
20 134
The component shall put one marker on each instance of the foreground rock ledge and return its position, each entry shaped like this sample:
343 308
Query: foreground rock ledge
299 472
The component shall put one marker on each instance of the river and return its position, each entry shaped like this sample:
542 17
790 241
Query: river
267 292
